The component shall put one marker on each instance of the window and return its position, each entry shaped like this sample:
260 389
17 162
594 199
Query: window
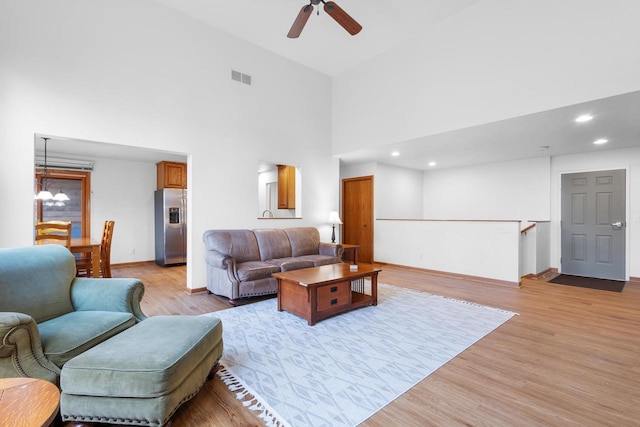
77 186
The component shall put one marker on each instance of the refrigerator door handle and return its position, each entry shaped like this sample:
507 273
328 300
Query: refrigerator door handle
183 211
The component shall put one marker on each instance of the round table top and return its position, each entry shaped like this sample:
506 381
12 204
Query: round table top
27 402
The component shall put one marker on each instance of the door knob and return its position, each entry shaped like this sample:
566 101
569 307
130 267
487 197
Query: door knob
618 224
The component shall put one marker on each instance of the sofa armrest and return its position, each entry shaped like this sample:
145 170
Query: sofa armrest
330 249
218 259
21 352
99 294
222 261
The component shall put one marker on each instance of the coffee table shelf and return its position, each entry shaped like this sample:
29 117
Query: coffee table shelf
321 292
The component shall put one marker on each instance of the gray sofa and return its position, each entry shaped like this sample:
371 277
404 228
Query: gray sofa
240 262
48 316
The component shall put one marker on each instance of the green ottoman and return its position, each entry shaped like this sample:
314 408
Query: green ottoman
142 375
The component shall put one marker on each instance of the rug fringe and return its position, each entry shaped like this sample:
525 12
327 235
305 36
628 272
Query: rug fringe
250 399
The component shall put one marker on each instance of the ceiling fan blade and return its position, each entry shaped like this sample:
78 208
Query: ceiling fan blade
342 18
301 19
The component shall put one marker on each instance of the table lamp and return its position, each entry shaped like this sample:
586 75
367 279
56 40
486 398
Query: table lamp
333 220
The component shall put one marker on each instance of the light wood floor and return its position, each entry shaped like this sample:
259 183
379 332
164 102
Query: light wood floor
571 357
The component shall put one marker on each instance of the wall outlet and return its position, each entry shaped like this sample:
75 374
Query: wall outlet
636 218
132 251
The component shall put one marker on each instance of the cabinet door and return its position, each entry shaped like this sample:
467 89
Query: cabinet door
172 175
286 187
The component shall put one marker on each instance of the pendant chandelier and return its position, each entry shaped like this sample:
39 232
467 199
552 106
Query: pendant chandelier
45 195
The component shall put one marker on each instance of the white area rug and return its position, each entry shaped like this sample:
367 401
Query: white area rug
344 369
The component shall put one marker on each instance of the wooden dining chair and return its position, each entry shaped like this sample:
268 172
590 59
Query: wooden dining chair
58 232
83 265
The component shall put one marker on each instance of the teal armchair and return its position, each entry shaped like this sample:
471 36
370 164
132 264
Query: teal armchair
48 316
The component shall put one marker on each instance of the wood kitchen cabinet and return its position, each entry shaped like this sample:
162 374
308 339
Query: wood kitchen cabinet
286 187
172 175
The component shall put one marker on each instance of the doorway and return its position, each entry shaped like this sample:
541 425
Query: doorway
77 186
357 215
593 235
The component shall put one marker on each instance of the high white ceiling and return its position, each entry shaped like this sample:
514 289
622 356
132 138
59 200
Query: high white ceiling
323 45
328 48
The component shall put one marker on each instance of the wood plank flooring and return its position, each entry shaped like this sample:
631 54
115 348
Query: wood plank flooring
571 357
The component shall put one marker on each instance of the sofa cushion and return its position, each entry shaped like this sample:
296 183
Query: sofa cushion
36 280
319 260
254 270
273 244
291 263
303 240
240 244
71 334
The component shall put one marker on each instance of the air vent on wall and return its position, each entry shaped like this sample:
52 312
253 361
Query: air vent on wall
240 77
68 164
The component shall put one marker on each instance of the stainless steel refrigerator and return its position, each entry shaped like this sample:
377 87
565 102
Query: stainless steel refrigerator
171 226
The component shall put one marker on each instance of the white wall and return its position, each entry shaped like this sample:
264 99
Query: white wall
478 67
362 169
527 252
123 191
399 191
517 190
543 246
606 160
136 73
534 249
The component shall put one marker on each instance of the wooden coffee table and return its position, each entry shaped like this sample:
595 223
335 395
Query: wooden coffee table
28 402
320 292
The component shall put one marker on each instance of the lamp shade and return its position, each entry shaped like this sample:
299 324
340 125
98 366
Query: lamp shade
61 197
44 195
334 218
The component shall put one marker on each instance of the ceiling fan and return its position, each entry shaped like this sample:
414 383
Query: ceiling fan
335 11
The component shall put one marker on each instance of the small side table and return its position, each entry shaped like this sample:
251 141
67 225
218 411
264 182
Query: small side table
350 253
28 402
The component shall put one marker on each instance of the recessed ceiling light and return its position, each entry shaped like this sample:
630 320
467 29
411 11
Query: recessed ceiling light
584 118
432 164
395 154
600 141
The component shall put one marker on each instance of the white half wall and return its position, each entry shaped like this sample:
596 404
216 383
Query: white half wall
474 248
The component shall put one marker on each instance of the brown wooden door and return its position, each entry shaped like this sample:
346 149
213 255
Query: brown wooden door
357 215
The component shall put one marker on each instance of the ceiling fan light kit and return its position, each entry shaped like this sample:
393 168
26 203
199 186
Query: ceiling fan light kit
332 9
